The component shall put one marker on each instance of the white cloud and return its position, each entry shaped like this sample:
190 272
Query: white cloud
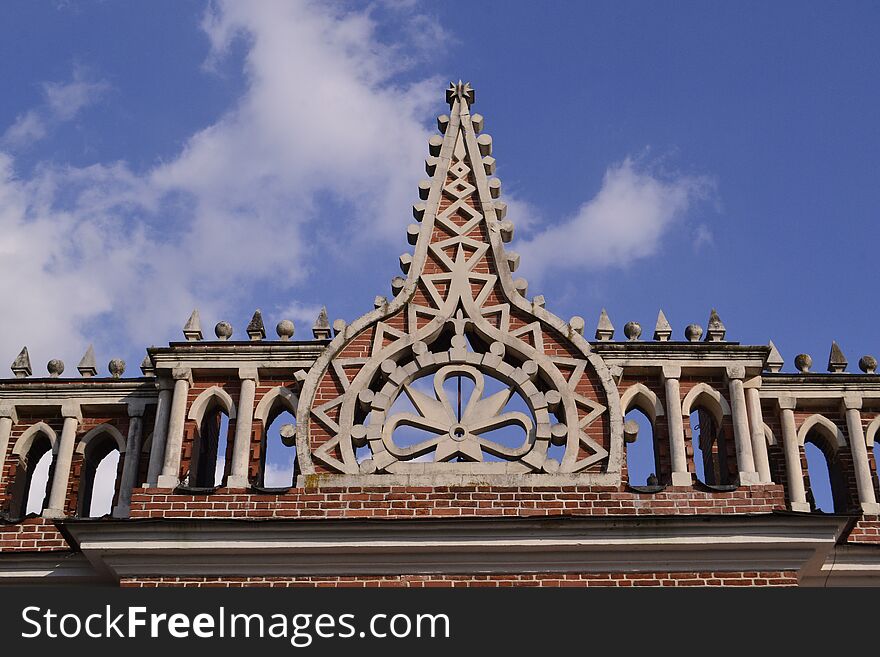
625 221
63 101
116 256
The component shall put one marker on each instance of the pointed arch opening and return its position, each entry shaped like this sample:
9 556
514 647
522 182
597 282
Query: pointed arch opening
101 450
826 485
211 411
712 452
276 413
35 450
642 408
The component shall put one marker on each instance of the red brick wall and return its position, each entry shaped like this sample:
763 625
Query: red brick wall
31 535
754 578
474 501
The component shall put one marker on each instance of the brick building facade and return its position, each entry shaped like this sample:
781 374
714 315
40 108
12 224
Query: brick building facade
459 434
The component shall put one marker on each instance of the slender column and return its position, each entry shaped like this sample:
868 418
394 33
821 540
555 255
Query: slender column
160 431
8 417
63 457
680 474
244 421
132 459
756 422
852 405
742 437
796 491
177 418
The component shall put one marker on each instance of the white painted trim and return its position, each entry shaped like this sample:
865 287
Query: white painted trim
288 399
200 405
768 434
643 398
23 444
831 430
719 409
871 432
100 430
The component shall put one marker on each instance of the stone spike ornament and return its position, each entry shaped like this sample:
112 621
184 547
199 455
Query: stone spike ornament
88 365
836 360
715 330
774 360
321 329
662 329
192 330
604 329
460 314
256 330
21 366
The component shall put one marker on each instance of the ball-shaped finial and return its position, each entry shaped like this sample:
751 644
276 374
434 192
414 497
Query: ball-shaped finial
868 364
803 363
632 331
116 367
285 329
55 367
223 330
693 332
288 435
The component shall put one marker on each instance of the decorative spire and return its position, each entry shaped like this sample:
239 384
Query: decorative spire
774 360
662 330
21 366
715 331
256 330
836 360
321 329
192 330
88 366
605 329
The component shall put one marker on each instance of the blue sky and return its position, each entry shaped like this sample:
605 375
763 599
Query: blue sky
156 157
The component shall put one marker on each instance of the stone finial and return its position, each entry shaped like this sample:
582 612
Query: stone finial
522 286
321 329
803 363
868 364
397 284
88 366
836 360
424 189
774 361
506 229
443 123
512 260
147 366
715 330
632 331
477 121
662 329
55 367
462 90
431 163
419 211
484 143
435 142
405 261
500 208
693 332
288 434
116 367
494 187
339 326
192 330
380 301
577 324
223 330
21 366
285 329
604 329
256 330
412 233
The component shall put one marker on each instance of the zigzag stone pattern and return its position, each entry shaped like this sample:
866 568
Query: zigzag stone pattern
460 315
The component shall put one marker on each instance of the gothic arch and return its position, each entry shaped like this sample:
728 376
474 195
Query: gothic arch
826 427
871 432
23 444
711 398
642 397
203 401
282 396
102 429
